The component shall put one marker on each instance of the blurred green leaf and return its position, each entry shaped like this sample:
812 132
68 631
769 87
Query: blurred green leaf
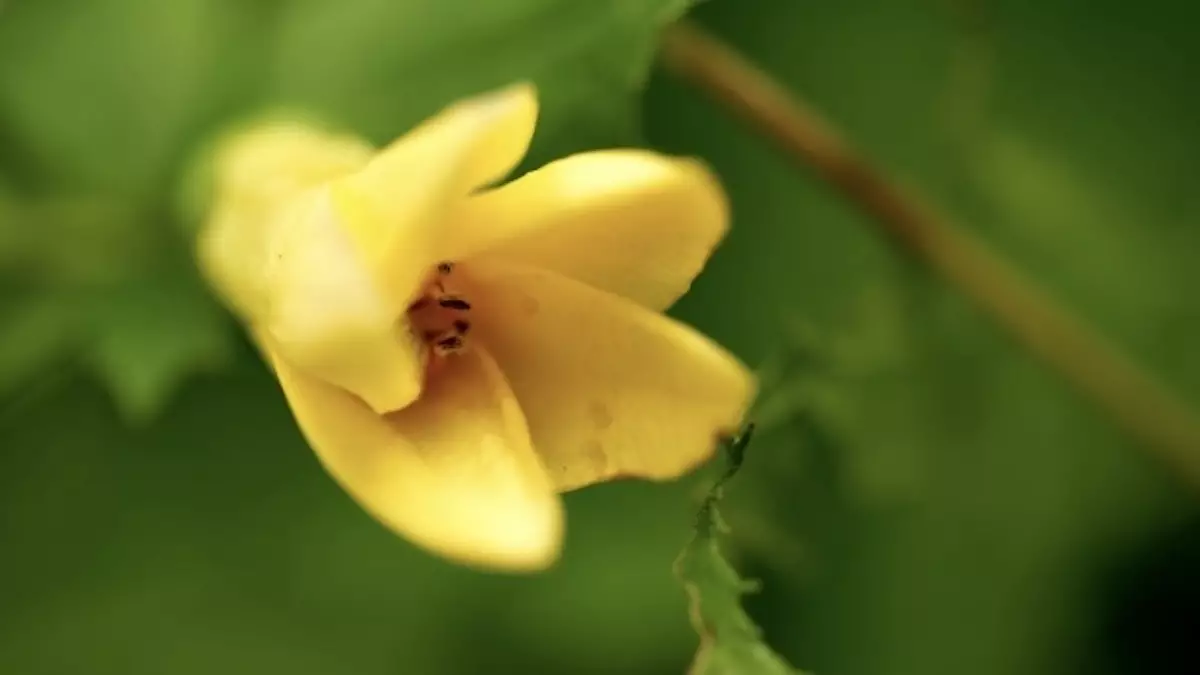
379 66
77 242
110 94
103 94
148 336
730 642
34 334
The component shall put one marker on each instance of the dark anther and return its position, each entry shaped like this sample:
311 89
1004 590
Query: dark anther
451 302
462 326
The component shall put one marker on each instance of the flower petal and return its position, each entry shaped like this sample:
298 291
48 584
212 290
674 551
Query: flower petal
328 316
631 222
254 172
609 388
394 207
454 472
346 261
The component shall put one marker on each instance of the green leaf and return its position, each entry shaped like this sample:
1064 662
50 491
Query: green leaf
730 642
104 94
77 242
35 333
150 335
380 66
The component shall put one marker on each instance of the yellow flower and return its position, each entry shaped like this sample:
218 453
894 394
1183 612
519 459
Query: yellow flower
458 354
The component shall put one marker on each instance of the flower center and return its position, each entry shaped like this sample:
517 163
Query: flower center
441 316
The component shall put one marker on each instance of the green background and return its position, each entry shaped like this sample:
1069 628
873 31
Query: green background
926 499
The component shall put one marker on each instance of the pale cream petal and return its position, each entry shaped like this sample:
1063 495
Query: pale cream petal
253 172
279 159
609 388
454 472
346 261
632 222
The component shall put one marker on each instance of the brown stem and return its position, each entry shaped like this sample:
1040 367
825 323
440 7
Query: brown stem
1096 368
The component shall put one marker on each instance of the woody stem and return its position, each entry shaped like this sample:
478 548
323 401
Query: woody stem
1098 369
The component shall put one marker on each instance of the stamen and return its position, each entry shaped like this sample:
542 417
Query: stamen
439 315
448 345
454 302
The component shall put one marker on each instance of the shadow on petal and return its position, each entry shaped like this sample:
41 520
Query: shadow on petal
454 472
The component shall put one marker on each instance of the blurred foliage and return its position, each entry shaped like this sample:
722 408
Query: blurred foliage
951 499
922 499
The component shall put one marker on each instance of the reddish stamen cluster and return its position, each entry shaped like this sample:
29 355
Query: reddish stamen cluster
440 315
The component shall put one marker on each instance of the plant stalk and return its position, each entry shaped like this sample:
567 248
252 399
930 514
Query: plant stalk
1161 422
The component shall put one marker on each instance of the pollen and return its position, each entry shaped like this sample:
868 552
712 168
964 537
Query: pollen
441 315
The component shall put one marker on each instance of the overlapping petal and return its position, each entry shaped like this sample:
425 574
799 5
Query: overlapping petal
254 173
631 222
344 260
454 472
395 208
608 387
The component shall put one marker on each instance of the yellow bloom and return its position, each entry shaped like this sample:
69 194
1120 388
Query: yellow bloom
458 354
